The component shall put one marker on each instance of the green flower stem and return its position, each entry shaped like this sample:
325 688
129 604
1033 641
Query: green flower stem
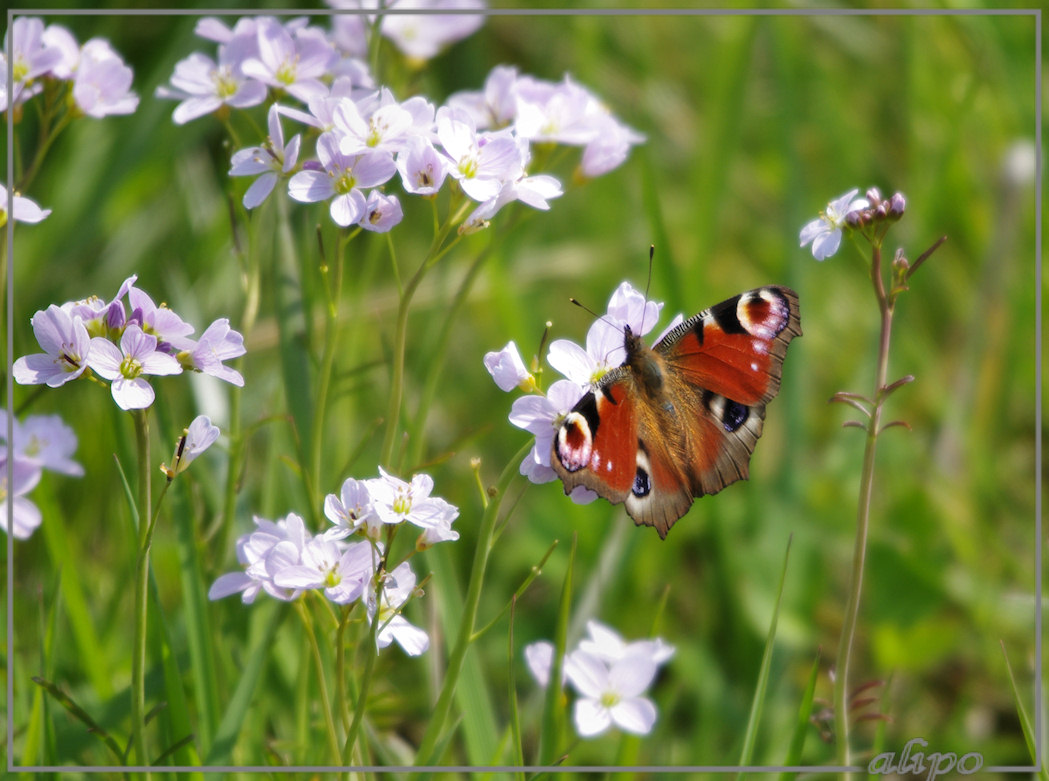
371 651
427 753
859 555
437 250
322 685
138 654
331 337
291 318
251 283
437 362
48 136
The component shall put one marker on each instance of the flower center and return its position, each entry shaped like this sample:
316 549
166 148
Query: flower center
34 446
69 358
20 70
345 182
468 166
424 178
402 504
225 85
286 73
130 367
610 699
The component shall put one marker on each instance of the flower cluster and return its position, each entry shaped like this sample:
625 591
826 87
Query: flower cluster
848 211
582 367
124 347
35 56
284 559
479 143
610 676
37 443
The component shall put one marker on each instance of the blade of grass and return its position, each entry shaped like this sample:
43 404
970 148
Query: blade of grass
803 725
479 717
33 745
81 715
199 637
1025 720
757 705
554 704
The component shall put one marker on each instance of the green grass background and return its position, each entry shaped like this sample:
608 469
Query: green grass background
753 123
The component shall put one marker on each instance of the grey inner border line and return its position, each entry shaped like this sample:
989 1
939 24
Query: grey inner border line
1035 13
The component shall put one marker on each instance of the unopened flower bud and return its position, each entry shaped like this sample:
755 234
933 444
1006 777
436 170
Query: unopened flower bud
854 219
115 316
874 196
897 205
899 262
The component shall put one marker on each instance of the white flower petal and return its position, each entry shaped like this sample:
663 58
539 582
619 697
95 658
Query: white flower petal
636 715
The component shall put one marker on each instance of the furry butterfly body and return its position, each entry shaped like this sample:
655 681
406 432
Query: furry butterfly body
681 419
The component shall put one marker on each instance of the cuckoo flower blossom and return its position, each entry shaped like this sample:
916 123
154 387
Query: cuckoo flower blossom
29 56
351 509
25 515
291 58
610 676
397 589
481 162
396 501
203 86
508 369
195 439
218 343
47 442
67 350
342 572
265 552
125 367
824 232
341 179
268 162
102 82
39 442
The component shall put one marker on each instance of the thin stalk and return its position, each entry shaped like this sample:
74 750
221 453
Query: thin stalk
437 250
331 338
138 654
322 684
371 651
859 555
251 283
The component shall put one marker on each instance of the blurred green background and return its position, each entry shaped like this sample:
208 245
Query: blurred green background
752 123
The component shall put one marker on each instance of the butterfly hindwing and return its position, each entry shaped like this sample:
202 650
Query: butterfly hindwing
596 443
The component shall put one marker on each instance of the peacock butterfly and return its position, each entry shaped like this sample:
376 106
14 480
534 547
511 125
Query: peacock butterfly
680 419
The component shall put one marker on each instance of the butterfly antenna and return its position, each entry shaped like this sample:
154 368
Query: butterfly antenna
648 282
585 308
